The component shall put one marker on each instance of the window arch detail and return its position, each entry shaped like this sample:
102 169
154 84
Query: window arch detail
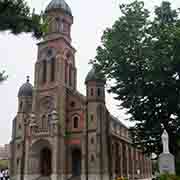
43 122
75 122
21 106
92 92
92 158
99 92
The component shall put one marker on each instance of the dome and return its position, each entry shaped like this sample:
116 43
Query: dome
26 89
94 76
59 4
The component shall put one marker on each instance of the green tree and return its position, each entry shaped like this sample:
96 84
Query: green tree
142 57
15 16
3 77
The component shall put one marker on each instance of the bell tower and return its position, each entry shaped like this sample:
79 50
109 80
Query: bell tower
56 57
60 20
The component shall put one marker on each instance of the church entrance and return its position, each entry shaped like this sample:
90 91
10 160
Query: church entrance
45 162
76 162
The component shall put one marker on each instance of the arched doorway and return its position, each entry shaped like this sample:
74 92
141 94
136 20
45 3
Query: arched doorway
45 162
76 162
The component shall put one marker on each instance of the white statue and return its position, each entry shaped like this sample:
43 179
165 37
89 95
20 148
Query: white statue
165 141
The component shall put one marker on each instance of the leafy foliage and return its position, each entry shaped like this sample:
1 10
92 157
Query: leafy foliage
2 76
142 56
3 164
15 16
168 177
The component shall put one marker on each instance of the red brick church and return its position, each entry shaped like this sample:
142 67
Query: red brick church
60 134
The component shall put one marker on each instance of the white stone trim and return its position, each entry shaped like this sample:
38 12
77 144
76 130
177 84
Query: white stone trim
31 177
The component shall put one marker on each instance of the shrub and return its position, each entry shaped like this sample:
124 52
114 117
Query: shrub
168 177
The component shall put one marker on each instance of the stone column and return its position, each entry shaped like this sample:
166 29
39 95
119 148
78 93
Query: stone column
75 78
127 160
149 164
60 69
26 157
121 160
133 163
143 164
55 153
83 161
83 150
113 162
40 68
136 163
146 168
140 165
37 74
54 134
48 74
62 158
67 74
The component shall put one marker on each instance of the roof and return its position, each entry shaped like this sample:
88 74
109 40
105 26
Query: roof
94 76
26 89
116 120
59 4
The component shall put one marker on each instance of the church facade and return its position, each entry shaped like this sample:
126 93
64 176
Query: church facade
60 134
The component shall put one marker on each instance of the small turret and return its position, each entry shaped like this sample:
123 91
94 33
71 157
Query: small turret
95 85
25 96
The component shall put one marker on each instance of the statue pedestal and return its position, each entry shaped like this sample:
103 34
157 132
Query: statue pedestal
166 163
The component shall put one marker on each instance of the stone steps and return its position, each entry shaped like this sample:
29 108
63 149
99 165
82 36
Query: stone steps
75 178
44 178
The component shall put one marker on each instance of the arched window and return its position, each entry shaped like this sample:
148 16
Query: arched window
92 92
18 146
43 122
49 119
112 148
52 69
92 158
57 22
70 75
66 71
21 106
99 92
44 71
91 118
92 140
17 162
62 25
75 122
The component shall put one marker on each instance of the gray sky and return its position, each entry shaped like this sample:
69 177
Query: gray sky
18 53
